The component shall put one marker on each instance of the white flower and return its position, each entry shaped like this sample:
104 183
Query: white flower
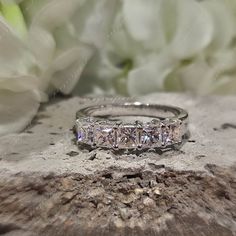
44 49
171 45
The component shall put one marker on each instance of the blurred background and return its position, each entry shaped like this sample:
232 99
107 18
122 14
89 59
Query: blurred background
112 47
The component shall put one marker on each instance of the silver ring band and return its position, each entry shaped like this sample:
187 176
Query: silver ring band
98 126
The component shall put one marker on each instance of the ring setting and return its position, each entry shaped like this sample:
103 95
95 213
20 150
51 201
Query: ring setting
159 132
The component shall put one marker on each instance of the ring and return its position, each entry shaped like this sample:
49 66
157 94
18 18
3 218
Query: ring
101 126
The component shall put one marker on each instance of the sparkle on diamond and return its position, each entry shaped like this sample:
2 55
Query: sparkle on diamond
170 134
127 137
81 131
105 136
130 136
149 136
85 130
165 135
176 132
81 134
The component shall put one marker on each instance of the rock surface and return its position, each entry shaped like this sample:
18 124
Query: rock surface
49 186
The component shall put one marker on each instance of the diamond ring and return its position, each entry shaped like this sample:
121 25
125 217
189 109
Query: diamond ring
101 126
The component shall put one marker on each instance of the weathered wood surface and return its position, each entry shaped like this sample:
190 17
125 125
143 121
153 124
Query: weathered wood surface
48 186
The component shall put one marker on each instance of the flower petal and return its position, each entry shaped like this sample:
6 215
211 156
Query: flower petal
143 22
104 65
15 58
68 66
224 23
225 85
169 16
225 60
55 13
194 29
121 42
197 77
150 77
93 21
42 45
90 20
19 83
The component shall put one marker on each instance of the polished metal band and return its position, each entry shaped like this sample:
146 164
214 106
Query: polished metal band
101 125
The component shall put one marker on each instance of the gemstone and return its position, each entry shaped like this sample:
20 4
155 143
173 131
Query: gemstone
105 136
127 137
90 134
138 135
149 136
165 135
81 134
85 131
81 131
176 130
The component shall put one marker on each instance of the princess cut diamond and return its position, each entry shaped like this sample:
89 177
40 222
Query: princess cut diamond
81 134
149 137
105 136
127 136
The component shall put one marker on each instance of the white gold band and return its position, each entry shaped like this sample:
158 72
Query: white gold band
95 126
